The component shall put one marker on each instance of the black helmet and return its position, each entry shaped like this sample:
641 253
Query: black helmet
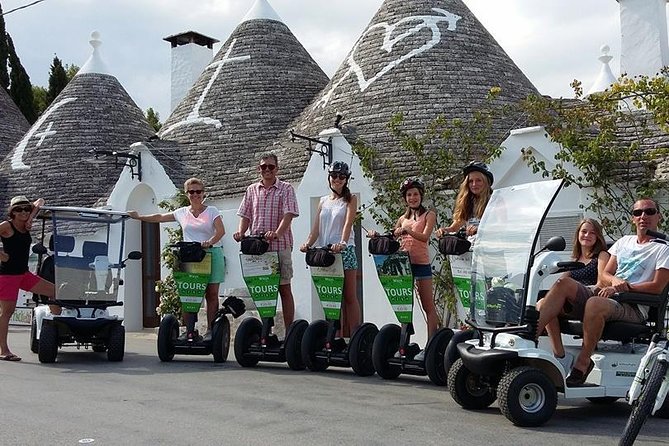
339 167
478 166
410 183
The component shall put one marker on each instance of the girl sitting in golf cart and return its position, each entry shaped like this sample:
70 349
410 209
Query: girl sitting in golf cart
475 191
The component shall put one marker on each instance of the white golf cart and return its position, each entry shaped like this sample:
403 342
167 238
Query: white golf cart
85 266
504 361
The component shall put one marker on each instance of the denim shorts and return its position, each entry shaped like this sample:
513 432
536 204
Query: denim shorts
349 257
421 272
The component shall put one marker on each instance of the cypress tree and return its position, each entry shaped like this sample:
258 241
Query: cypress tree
57 80
4 54
20 88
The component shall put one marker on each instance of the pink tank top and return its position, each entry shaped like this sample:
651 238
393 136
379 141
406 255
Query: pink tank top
418 252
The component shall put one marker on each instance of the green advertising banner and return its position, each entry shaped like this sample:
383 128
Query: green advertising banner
329 283
262 277
192 279
394 273
461 269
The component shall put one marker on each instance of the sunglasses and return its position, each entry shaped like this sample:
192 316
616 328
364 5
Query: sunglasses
265 167
647 211
195 191
341 176
22 209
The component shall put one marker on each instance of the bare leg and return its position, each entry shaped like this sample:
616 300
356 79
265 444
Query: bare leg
211 296
7 309
351 301
426 300
555 336
597 311
552 304
46 288
287 304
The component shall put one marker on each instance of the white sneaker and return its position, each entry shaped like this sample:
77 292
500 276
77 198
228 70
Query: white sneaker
566 362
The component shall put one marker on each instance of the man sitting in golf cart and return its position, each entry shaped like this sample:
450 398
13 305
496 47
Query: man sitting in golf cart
636 265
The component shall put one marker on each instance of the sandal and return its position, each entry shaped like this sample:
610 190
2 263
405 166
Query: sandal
577 378
10 357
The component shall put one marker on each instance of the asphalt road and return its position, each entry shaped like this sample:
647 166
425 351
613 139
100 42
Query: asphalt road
83 399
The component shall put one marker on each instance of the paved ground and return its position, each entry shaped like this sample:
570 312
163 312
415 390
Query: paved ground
83 399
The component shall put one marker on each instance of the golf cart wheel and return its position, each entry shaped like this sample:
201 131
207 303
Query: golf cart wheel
663 411
602 400
360 349
48 343
385 346
34 342
452 354
220 339
434 356
469 390
314 341
527 396
116 343
644 405
168 332
247 334
293 344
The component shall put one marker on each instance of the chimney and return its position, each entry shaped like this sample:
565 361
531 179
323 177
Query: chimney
191 53
644 48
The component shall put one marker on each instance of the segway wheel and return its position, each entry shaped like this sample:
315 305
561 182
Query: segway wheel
434 356
312 342
469 390
116 343
386 344
360 349
34 342
293 344
168 332
220 339
247 334
48 344
527 396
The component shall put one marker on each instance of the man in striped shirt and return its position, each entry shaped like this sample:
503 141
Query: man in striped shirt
268 208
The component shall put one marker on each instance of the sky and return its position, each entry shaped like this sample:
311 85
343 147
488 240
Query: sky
552 41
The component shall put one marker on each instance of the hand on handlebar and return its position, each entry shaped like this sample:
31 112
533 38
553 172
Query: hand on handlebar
238 236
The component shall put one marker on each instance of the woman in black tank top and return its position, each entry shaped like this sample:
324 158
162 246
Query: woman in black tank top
14 274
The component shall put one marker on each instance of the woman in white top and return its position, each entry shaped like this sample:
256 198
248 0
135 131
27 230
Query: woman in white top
199 223
334 226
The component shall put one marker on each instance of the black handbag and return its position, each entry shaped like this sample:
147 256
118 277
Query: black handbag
383 245
254 246
190 252
452 245
320 257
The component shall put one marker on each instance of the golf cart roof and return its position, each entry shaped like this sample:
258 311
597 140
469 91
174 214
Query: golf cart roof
82 214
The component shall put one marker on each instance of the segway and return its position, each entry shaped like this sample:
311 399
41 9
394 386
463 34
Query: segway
254 340
191 274
321 347
393 353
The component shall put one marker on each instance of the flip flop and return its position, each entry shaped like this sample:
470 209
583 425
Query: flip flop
10 357
577 378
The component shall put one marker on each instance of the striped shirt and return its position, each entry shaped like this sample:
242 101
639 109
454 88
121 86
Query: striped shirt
265 207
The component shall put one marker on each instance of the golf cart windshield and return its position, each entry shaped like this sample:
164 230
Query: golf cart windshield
505 240
87 252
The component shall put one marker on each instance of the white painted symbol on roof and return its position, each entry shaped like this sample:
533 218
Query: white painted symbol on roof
194 116
17 157
42 135
430 21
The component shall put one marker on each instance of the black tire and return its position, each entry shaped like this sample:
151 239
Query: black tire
385 346
360 349
644 405
48 343
34 342
116 343
452 354
527 396
293 344
602 400
434 356
248 333
663 412
220 339
314 341
168 332
468 389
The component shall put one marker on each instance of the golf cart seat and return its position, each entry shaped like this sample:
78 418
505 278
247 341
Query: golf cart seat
627 332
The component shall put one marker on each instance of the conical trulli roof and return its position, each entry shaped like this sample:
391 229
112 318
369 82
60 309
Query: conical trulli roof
53 159
420 58
12 123
260 80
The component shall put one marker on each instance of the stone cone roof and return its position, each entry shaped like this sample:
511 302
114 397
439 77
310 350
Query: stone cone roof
93 112
260 80
12 123
420 58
